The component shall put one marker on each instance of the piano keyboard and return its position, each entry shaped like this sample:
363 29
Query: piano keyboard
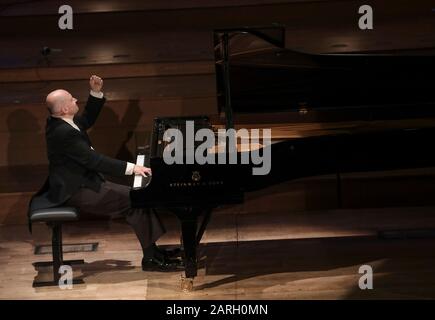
138 179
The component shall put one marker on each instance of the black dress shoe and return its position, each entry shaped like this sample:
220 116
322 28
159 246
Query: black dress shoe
169 253
161 264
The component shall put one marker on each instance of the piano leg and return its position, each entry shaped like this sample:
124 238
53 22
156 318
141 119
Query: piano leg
188 219
188 233
205 221
191 238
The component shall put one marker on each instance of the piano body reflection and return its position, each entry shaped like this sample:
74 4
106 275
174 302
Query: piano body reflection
330 113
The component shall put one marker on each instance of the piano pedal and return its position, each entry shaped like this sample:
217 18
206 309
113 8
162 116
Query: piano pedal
186 284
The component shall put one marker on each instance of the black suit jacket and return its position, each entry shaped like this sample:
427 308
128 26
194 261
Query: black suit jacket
72 162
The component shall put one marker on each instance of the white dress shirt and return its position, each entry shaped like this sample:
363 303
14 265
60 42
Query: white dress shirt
130 166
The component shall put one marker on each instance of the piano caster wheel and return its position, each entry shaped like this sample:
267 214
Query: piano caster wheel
186 284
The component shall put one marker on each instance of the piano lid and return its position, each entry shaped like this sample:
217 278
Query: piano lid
263 76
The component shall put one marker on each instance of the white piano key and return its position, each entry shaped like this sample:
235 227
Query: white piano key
138 179
140 160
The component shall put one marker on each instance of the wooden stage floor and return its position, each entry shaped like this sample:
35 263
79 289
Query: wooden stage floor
302 255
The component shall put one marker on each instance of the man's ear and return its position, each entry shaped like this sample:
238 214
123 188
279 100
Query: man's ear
64 110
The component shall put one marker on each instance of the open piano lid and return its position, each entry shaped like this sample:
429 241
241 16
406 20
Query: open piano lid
263 76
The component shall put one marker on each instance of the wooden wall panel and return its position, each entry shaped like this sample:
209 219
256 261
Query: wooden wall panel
110 71
22 128
181 87
407 24
46 7
322 14
24 50
13 208
32 117
24 178
186 35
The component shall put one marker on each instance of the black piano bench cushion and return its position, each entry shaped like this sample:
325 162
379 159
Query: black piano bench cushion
54 214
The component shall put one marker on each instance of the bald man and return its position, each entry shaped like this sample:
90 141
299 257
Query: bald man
76 174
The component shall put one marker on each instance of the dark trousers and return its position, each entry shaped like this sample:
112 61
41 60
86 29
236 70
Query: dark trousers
114 200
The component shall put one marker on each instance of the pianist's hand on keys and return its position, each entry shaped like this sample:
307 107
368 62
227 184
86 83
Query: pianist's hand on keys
143 171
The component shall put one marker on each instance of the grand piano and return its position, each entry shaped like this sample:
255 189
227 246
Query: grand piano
328 114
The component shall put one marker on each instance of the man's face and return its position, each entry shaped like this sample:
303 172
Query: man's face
70 107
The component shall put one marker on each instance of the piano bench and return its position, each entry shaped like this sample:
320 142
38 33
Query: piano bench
54 217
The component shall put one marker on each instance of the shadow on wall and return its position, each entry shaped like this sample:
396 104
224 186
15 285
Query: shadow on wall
114 137
131 116
20 176
24 133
